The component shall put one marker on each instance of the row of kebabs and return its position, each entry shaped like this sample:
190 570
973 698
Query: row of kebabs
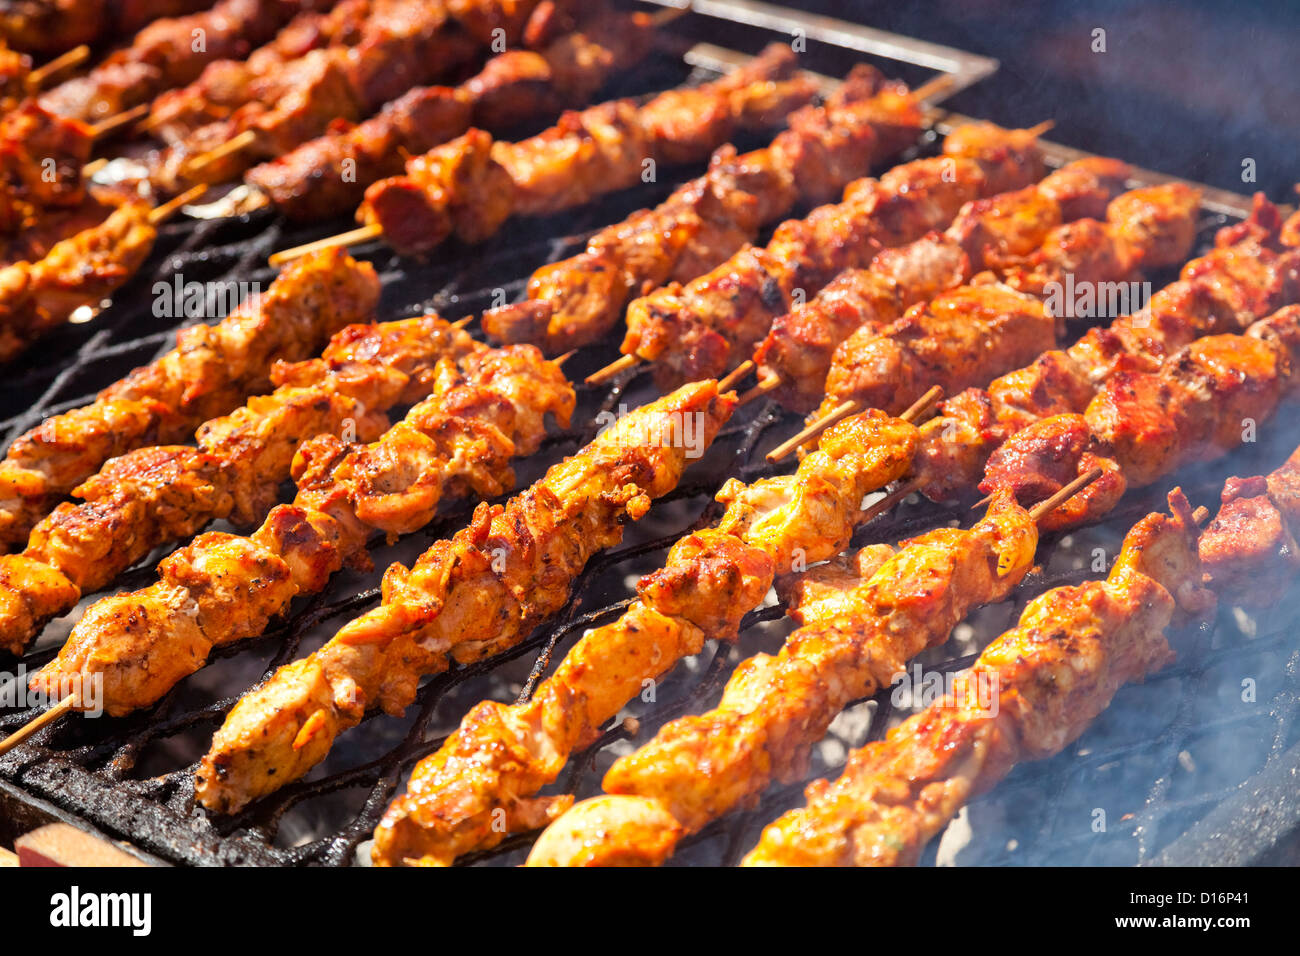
364 54
390 670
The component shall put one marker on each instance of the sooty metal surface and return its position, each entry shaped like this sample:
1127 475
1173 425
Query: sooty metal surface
1163 756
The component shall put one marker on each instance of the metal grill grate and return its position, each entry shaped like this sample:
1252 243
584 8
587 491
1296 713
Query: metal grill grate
1154 762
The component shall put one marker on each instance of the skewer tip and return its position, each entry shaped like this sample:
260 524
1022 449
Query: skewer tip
104 127
233 145
889 501
768 384
1047 506
164 212
603 375
51 715
352 237
66 61
839 413
735 375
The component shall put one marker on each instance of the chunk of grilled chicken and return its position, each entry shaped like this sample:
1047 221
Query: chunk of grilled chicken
1249 550
774 709
1245 278
1052 674
41 158
158 494
1142 426
466 598
711 323
995 234
212 369
77 272
502 755
223 588
328 175
576 301
15 73
472 184
960 338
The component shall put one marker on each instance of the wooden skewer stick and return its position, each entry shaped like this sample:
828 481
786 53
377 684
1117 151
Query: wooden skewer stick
113 123
67 61
561 359
923 404
166 210
620 364
762 388
51 715
917 409
600 376
736 374
235 144
351 238
1049 505
94 166
1201 515
836 415
1041 128
462 323
887 503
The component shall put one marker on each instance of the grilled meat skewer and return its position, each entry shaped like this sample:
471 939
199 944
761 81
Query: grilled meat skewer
157 494
41 160
707 325
472 184
993 234
576 301
1245 278
895 351
221 588
212 369
1249 550
328 176
1053 673
869 615
466 598
397 45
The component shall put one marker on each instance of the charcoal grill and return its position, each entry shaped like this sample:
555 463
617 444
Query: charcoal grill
1175 764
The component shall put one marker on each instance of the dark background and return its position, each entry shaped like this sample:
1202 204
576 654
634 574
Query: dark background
1190 88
